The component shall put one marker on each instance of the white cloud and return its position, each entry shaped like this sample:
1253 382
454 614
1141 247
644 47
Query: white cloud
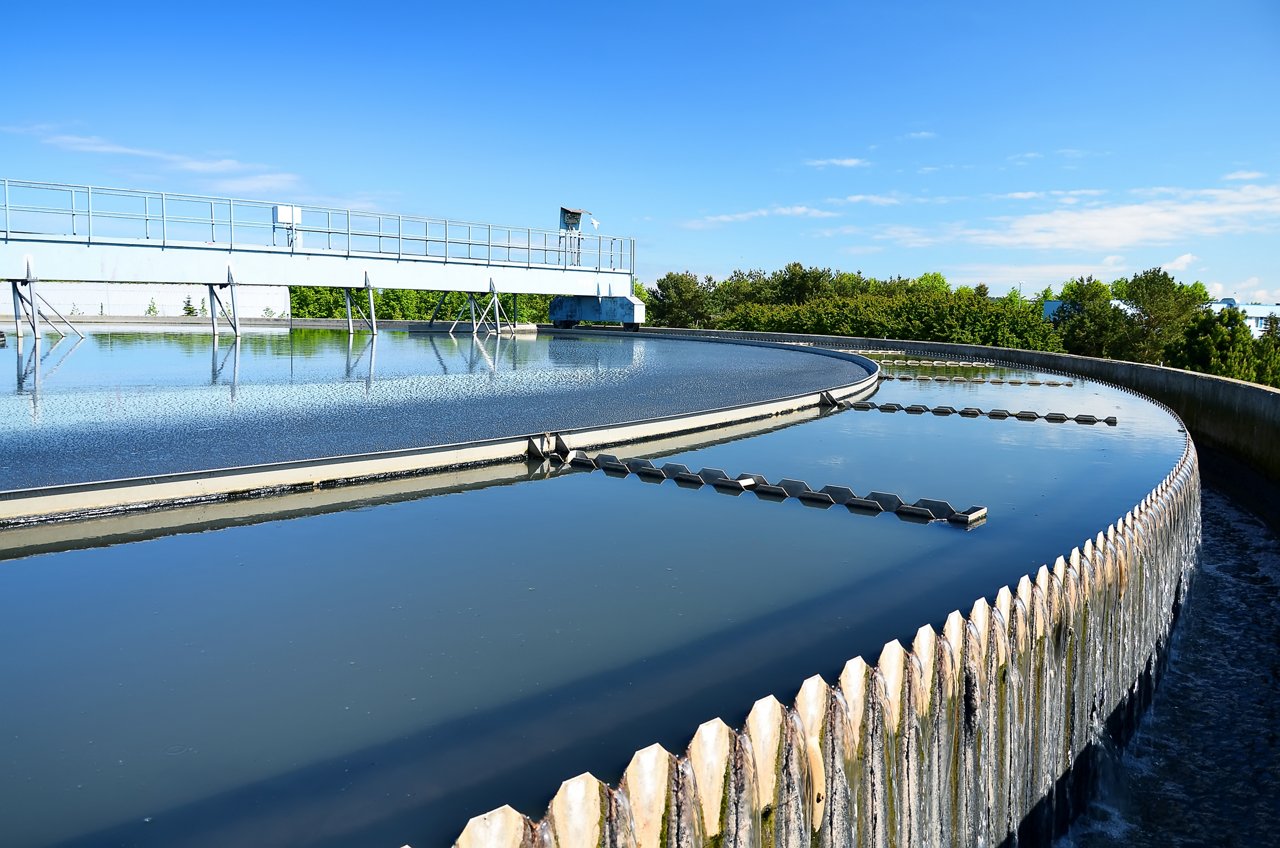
96 144
1182 263
1168 218
1022 195
1244 175
258 184
778 211
1024 158
1034 276
803 212
922 134
838 163
872 199
27 129
1248 290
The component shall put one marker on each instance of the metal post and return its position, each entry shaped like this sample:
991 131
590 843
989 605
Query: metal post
373 319
17 309
231 224
33 313
350 327
515 309
436 311
6 209
235 311
164 228
214 303
88 190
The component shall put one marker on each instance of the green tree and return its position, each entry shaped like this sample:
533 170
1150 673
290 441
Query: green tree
798 284
680 300
1216 343
1163 308
188 308
931 282
1090 324
1266 353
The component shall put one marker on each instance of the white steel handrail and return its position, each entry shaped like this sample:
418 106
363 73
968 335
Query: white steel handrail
235 224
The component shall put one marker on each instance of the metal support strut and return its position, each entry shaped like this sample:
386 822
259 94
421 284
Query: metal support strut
26 308
215 303
492 306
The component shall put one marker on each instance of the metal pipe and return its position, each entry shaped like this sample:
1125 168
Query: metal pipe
373 319
89 207
214 303
350 327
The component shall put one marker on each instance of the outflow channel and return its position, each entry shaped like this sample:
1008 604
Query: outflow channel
379 675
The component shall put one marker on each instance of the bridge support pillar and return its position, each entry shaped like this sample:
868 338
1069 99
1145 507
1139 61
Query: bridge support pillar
373 319
351 329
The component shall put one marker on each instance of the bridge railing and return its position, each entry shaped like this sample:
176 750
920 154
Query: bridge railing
35 211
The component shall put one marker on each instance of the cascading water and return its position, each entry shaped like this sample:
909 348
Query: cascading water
981 734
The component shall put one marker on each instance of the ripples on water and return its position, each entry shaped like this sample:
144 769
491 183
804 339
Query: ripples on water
1204 768
314 393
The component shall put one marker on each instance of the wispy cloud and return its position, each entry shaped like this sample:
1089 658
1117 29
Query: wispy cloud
837 163
217 173
1244 175
1063 195
1166 216
923 134
96 144
1182 263
870 199
28 129
1249 290
1167 219
1024 158
258 184
1035 276
772 211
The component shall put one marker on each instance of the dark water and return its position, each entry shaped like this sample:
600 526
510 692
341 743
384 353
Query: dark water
124 404
376 676
1204 769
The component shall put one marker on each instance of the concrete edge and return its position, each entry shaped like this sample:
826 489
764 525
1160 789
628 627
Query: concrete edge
71 501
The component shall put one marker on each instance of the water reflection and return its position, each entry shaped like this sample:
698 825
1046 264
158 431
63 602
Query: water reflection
314 393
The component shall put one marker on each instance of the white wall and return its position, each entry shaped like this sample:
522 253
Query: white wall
134 299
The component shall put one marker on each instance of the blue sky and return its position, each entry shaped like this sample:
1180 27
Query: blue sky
1007 143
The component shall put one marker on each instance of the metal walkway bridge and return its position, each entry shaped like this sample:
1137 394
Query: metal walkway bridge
82 233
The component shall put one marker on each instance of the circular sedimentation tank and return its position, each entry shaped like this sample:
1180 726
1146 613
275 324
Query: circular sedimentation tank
378 663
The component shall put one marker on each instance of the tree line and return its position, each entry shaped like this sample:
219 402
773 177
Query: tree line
1149 317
